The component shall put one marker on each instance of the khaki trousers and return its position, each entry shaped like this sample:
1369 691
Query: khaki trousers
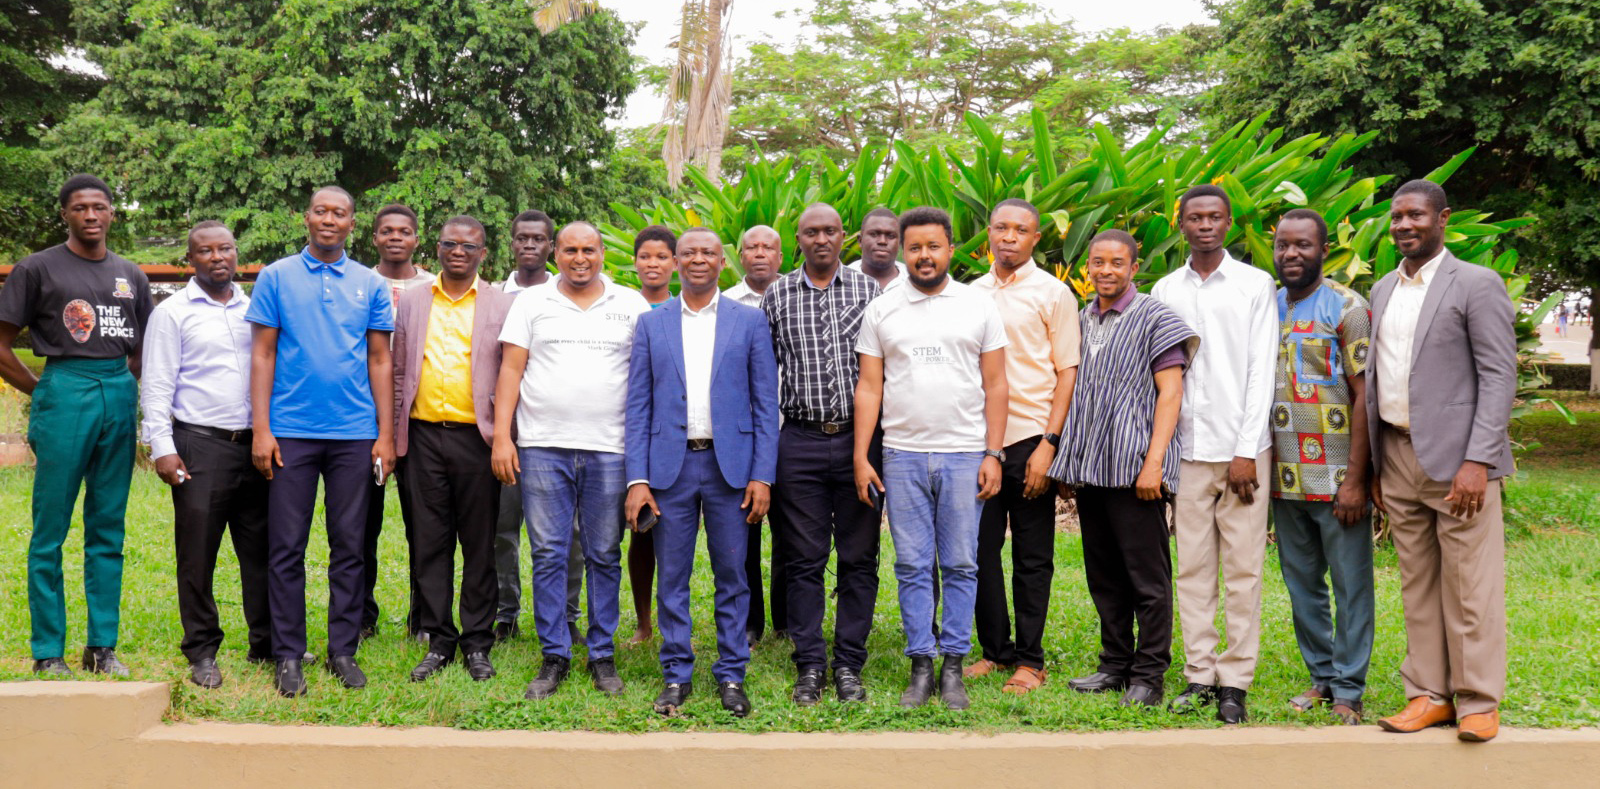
1216 531
1453 584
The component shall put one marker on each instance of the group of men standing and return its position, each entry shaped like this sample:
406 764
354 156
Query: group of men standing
825 401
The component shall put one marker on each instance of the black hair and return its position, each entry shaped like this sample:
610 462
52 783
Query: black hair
1430 191
1203 190
1313 216
699 229
204 225
1121 237
347 196
80 182
879 211
656 233
463 220
926 215
396 208
535 215
1016 202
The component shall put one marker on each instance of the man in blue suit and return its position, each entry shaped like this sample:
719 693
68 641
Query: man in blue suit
701 440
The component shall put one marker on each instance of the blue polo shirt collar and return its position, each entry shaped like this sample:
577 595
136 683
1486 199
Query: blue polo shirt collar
313 264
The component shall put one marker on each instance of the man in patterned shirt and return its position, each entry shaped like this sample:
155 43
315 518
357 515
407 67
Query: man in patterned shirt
1319 484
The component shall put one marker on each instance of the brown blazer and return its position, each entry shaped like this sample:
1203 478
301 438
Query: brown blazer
411 334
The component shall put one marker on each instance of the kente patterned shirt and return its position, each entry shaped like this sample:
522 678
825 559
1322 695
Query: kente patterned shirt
1323 340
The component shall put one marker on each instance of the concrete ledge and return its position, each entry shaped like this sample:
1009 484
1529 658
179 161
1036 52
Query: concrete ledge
111 734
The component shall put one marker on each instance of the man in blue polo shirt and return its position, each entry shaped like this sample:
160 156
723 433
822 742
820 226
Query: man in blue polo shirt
322 397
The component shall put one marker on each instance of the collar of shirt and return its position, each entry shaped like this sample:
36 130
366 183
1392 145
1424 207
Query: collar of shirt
1221 271
438 287
1022 273
1120 305
551 290
1424 274
915 294
193 292
313 264
806 277
709 309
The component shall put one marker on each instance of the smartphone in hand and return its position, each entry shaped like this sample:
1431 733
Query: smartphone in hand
647 519
377 472
876 497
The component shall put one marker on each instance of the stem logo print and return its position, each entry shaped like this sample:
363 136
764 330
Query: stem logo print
78 317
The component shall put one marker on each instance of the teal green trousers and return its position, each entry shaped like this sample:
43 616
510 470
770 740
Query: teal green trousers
82 432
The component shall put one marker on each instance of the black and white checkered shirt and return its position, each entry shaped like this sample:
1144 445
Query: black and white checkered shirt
814 337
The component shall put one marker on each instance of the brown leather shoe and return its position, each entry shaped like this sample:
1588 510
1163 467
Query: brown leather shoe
1026 679
1479 726
982 668
1419 714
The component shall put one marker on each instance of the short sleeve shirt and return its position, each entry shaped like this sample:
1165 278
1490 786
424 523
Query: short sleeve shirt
575 387
74 307
1324 341
322 311
933 394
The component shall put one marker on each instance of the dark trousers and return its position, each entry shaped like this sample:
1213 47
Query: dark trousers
1033 544
780 582
224 491
818 510
455 498
345 468
1128 563
701 495
369 554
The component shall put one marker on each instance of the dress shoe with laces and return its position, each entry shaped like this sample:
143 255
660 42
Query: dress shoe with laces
1141 694
1479 726
204 672
983 668
432 663
1193 698
103 660
733 698
1098 682
349 673
920 687
847 684
505 631
672 697
52 668
479 667
604 674
952 691
552 672
289 678
808 687
1230 705
1420 713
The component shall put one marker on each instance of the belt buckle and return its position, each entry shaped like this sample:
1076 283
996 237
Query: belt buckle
235 436
830 428
697 444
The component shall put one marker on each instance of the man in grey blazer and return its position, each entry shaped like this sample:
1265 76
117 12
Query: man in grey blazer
1446 372
446 363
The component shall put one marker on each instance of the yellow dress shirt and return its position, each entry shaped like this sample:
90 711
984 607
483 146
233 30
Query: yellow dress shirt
444 390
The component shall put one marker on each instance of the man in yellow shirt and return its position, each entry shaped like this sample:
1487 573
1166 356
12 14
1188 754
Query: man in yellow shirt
447 357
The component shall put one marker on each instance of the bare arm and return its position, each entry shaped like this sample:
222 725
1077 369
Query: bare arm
507 390
869 400
380 376
1169 399
263 365
11 368
1035 478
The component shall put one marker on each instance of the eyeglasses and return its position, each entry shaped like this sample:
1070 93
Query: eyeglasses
450 246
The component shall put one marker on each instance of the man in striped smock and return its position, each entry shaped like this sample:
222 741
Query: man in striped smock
1120 453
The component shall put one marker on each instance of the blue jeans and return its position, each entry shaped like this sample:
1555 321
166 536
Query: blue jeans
701 490
558 484
1313 543
933 507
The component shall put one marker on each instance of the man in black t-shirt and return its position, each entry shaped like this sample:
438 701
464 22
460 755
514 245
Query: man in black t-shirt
85 308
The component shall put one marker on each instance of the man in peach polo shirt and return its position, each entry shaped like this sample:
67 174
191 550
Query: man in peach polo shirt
1041 318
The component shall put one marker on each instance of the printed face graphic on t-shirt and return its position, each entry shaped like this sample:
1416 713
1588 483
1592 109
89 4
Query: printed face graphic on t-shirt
78 317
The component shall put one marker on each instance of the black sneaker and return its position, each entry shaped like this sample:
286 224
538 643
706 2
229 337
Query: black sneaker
551 674
52 668
604 673
103 660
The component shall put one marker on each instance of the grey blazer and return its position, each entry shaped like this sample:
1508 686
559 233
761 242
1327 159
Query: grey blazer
1463 371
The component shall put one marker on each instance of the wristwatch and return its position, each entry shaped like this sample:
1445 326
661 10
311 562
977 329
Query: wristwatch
1053 439
997 454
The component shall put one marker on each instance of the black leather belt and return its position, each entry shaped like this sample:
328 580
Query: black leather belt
698 444
828 428
447 425
231 436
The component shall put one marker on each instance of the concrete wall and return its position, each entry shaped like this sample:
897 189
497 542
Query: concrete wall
93 734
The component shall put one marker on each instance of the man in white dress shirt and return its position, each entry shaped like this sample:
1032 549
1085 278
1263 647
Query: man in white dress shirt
880 249
760 255
1226 447
196 399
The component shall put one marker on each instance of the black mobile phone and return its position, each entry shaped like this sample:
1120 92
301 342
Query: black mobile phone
647 519
876 497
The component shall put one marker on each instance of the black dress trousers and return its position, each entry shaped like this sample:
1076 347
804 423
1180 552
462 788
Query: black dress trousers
1127 559
1033 532
455 498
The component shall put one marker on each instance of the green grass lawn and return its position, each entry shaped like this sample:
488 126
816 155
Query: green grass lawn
1553 599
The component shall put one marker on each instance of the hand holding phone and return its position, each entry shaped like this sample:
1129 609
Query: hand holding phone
377 472
647 519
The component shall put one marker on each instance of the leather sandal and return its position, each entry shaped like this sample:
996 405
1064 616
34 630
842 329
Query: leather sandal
1026 679
1309 700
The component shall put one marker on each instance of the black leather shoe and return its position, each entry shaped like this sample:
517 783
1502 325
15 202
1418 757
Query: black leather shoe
479 667
1230 705
951 689
52 667
432 663
847 684
920 688
1141 694
344 667
604 673
505 631
289 679
367 631
1098 682
204 672
552 672
808 687
307 659
733 698
1193 698
672 697
103 660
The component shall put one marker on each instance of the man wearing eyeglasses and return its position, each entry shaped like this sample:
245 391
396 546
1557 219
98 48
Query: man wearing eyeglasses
446 362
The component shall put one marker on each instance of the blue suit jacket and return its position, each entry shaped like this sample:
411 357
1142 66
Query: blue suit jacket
744 397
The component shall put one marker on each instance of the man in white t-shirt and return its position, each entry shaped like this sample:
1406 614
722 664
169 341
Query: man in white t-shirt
564 379
933 363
